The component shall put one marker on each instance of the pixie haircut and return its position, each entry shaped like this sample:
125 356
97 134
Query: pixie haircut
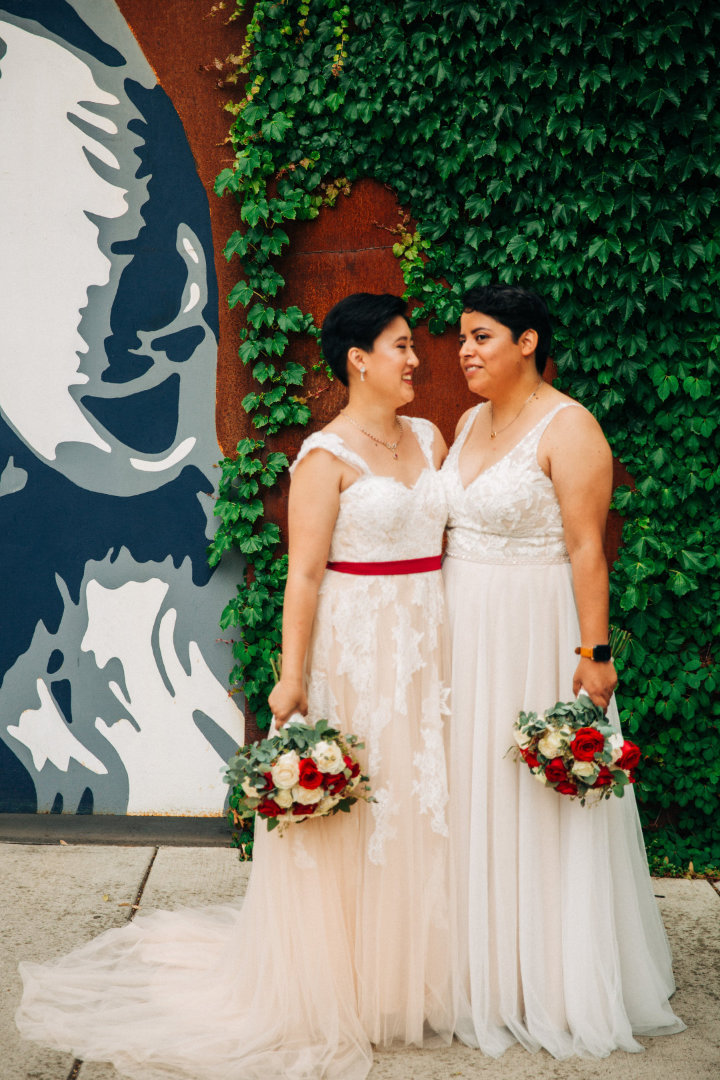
355 323
518 309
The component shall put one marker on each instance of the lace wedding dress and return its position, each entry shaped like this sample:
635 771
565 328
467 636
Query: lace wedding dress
344 938
560 943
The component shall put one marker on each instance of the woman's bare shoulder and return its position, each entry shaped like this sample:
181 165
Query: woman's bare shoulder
574 430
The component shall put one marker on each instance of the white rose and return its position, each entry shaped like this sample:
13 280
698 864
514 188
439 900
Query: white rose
328 757
584 769
284 798
551 744
250 791
616 742
307 796
522 739
286 770
541 777
327 804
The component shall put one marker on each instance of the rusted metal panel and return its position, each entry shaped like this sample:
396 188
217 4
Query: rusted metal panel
347 248
181 41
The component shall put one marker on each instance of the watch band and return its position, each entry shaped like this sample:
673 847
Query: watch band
599 653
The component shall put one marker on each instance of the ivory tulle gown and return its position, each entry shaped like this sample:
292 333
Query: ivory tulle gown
560 941
344 938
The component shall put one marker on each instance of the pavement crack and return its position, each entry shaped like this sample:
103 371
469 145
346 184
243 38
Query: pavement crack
141 888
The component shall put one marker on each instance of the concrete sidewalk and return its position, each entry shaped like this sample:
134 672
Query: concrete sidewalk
56 896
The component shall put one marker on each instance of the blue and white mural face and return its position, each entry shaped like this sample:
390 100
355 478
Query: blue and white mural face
113 695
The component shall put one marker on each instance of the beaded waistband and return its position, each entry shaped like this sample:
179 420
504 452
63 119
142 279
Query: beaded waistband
497 558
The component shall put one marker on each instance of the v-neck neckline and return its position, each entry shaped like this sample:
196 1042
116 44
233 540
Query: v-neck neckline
466 433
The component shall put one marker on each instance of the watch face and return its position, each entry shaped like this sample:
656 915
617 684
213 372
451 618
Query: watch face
601 653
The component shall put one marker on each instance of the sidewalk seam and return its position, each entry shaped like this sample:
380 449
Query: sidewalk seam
78 1062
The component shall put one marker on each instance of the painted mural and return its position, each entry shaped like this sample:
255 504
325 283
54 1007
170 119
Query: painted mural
114 688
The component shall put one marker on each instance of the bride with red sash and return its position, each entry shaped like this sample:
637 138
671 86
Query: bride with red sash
344 938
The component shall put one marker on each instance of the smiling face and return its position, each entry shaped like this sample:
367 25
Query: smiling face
489 357
390 364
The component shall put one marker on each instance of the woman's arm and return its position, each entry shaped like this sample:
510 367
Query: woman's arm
312 511
579 462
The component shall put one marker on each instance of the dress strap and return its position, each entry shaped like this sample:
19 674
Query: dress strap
424 432
328 440
460 440
542 425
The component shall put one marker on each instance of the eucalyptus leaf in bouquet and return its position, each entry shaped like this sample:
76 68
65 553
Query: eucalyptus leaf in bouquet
573 749
301 772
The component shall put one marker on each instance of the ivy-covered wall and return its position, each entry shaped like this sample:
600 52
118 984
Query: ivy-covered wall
573 147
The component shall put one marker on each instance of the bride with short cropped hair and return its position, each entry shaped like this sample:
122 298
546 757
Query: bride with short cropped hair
345 937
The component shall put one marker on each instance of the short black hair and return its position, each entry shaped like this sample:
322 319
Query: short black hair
517 308
354 323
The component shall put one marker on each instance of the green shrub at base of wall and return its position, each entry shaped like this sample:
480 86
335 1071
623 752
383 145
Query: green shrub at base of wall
574 148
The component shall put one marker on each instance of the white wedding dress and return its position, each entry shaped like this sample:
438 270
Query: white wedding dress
344 938
560 941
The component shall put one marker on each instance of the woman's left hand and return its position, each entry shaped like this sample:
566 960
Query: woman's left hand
598 680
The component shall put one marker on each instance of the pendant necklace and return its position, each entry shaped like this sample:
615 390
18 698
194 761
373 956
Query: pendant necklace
391 446
493 433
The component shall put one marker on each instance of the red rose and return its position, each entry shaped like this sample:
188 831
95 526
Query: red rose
555 770
269 782
269 808
303 808
310 775
605 777
587 742
630 756
351 765
530 758
565 787
336 782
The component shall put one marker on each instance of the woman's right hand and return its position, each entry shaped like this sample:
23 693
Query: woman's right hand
287 697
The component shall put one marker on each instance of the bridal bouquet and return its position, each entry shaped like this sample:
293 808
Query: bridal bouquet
299 773
572 748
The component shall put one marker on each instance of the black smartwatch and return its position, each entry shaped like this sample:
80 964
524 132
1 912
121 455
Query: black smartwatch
600 653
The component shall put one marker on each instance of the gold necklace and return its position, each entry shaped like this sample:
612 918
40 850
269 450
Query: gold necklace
494 434
391 446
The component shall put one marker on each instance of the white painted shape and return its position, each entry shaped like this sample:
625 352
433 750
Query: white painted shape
118 617
187 244
47 736
104 154
96 119
194 297
117 690
176 455
171 766
49 253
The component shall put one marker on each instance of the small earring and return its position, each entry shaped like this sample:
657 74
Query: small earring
362 373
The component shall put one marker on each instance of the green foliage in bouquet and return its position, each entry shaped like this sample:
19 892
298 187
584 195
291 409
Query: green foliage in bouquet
573 748
261 774
570 146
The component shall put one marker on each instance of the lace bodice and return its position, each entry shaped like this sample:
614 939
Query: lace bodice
509 513
381 519
374 661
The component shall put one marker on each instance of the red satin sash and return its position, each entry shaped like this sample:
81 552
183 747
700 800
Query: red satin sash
396 566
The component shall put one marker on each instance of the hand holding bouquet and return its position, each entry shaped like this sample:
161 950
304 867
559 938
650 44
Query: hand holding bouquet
572 748
300 772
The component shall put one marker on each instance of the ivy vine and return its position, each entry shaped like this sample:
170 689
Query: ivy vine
574 147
